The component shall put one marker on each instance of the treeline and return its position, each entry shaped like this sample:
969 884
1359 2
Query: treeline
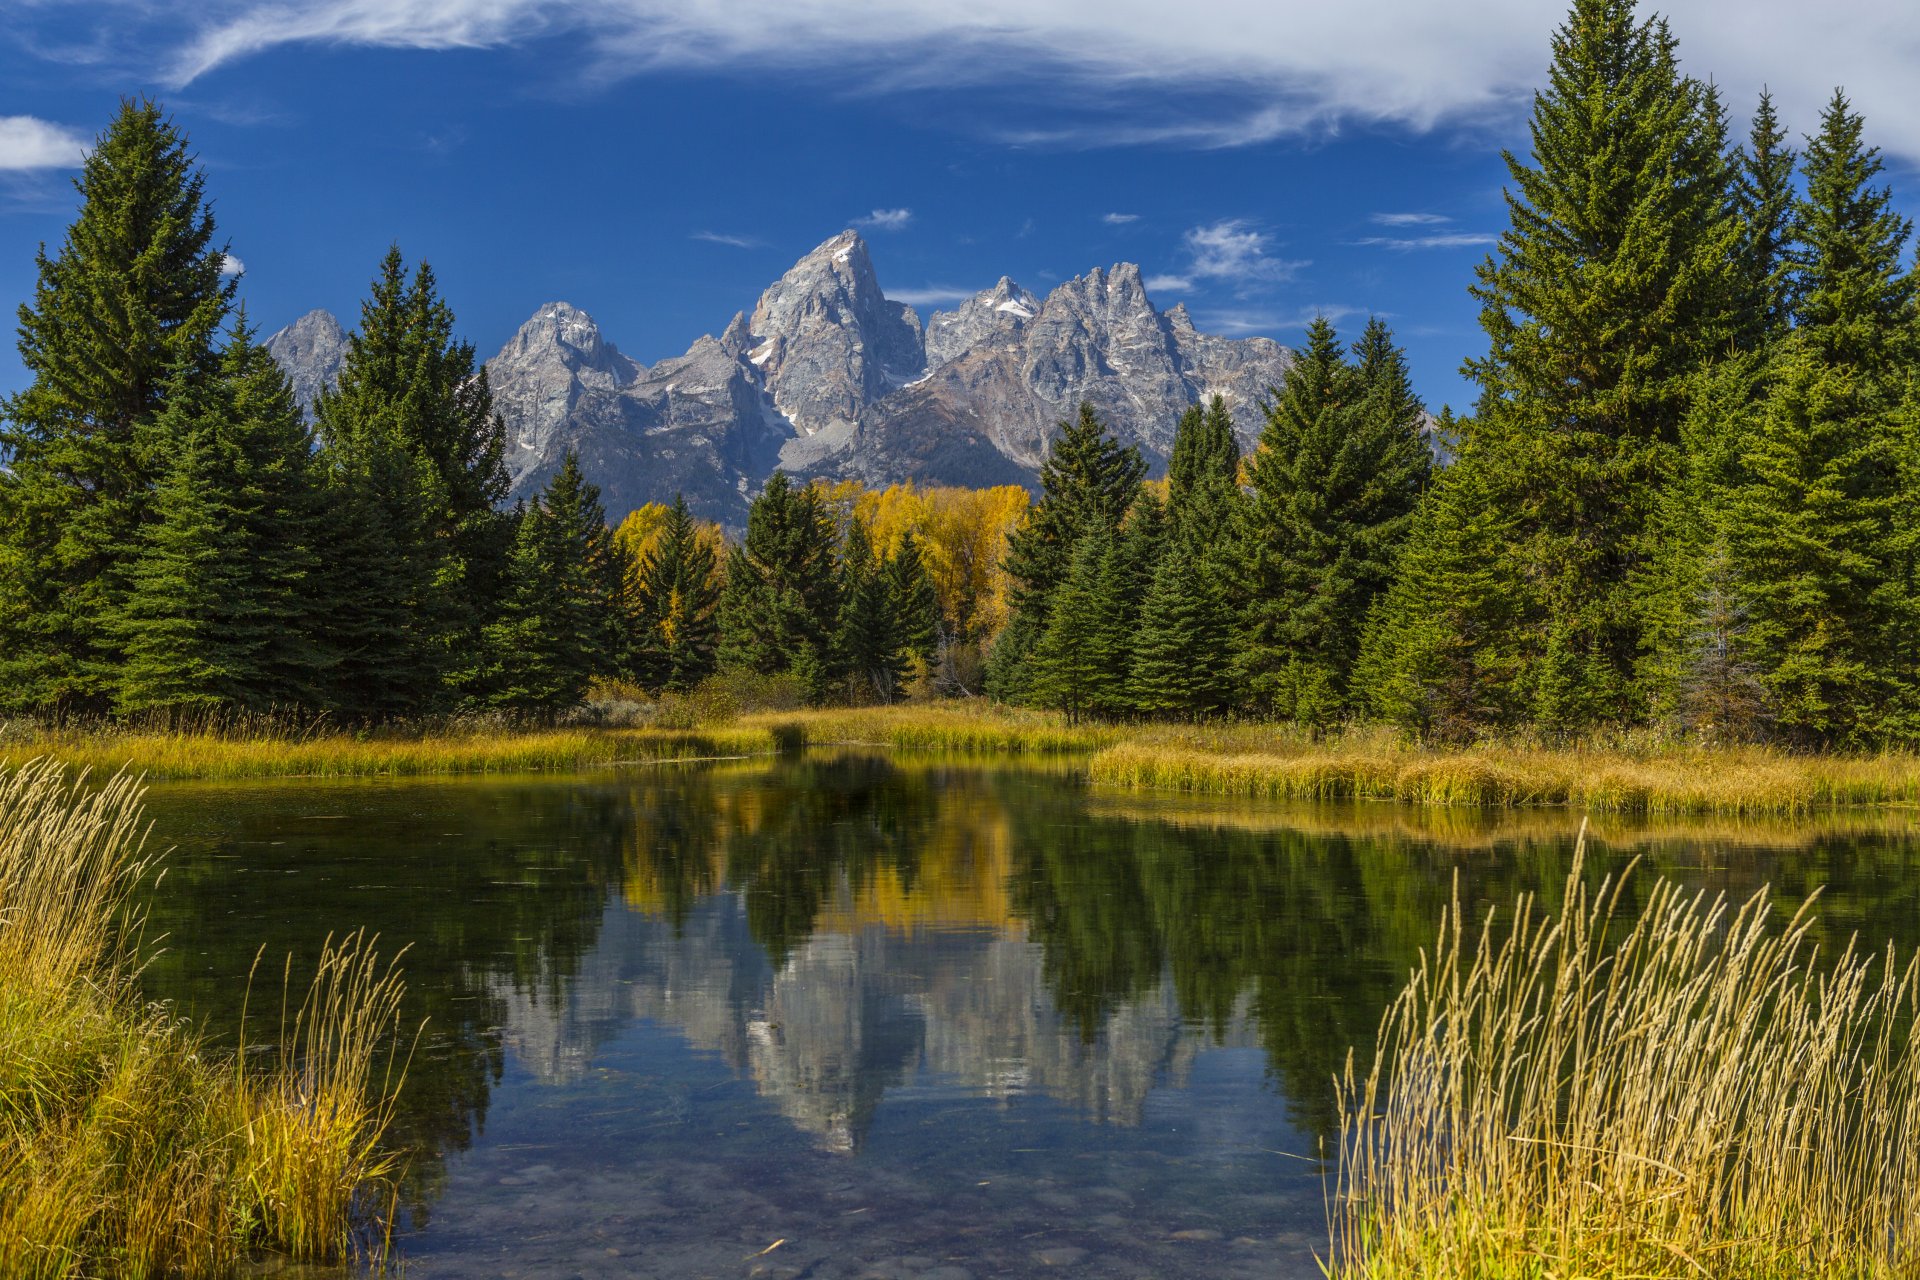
175 536
1688 496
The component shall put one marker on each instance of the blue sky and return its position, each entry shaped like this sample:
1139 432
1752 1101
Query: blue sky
659 163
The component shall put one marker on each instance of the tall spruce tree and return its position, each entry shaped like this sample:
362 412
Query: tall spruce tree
916 604
676 598
557 629
1182 648
1424 664
1203 477
221 610
1764 203
1088 479
411 423
129 308
781 604
1611 289
867 639
1074 667
1823 530
1341 464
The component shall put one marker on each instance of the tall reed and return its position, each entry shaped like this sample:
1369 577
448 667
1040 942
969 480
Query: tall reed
1693 1093
125 1148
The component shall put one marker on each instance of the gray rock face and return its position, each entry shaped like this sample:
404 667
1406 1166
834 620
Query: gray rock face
986 415
311 350
828 343
829 378
992 315
540 379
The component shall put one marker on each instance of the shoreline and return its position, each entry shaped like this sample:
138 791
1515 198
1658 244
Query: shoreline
1229 760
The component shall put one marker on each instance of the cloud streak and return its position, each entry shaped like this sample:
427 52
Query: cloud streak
1443 240
731 241
1119 219
885 219
1267 70
28 143
932 295
1409 219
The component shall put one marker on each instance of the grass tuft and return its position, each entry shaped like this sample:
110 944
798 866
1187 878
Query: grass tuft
1691 1095
125 1149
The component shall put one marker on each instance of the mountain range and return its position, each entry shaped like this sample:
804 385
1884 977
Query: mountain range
827 377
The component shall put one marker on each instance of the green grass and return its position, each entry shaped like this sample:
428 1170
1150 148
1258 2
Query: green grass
1696 1095
125 1148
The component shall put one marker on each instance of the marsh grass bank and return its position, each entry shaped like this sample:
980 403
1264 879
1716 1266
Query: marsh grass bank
1259 761
1698 1094
126 1149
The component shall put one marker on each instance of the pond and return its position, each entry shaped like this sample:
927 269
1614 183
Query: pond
852 1015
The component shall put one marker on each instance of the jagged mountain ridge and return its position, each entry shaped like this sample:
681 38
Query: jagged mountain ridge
829 378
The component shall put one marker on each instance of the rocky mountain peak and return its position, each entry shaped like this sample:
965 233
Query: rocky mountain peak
999 312
828 342
311 350
827 377
562 332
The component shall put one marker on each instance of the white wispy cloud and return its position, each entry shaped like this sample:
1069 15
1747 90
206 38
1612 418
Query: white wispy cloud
1168 284
931 295
231 265
885 219
1409 219
1267 69
1444 240
1235 250
30 143
1238 322
1119 219
731 241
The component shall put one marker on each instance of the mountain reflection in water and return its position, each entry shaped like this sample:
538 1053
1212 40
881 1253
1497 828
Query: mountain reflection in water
851 937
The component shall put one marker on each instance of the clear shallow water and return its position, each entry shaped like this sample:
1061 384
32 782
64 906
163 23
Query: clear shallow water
908 1019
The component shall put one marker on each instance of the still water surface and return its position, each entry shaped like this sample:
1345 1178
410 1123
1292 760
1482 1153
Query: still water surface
906 1018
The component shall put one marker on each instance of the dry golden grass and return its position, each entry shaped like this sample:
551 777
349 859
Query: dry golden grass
1675 781
1243 759
1698 1094
125 1150
266 752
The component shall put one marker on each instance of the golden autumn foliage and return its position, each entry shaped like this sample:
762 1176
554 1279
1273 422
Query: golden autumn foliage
637 534
962 535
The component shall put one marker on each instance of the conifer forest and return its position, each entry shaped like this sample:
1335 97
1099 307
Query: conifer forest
1684 498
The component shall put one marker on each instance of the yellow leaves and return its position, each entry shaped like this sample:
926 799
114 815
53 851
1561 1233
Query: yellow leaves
962 535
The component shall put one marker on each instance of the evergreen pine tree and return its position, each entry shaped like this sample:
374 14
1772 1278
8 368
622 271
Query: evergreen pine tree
1181 649
1822 533
128 309
781 605
556 631
1764 203
916 605
677 596
1088 479
1072 669
1424 664
1341 463
220 610
410 423
1612 288
1203 477
866 639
